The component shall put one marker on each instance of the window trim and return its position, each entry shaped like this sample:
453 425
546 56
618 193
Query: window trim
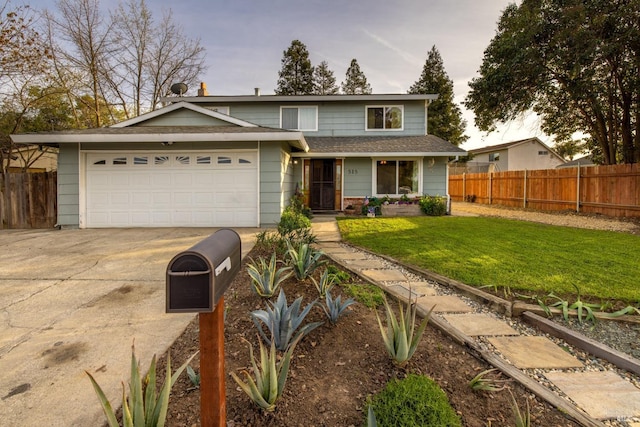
374 174
309 107
366 118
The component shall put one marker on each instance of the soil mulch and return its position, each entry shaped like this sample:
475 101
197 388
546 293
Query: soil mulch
335 368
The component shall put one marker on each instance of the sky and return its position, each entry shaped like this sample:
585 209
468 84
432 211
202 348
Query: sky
245 41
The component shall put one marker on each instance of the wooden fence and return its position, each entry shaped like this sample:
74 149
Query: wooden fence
608 190
28 200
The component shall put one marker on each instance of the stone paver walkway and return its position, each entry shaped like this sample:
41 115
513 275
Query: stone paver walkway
602 395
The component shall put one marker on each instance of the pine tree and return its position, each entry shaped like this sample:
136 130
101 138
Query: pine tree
296 75
355 82
445 118
324 83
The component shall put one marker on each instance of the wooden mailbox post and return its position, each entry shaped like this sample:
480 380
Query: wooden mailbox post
196 281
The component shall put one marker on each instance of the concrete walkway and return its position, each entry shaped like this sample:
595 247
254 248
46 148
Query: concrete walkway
602 395
76 300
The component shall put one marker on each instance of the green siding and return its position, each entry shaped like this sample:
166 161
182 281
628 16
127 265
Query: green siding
183 117
334 119
434 177
357 177
68 186
276 182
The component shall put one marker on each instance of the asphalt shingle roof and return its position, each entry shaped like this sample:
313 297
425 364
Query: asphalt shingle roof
381 144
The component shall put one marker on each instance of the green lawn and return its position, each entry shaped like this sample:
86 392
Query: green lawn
526 257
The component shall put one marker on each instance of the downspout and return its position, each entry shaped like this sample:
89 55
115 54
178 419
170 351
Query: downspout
426 116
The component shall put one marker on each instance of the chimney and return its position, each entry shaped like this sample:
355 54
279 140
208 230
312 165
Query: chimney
257 91
203 89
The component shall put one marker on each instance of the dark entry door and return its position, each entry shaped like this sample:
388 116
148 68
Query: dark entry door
323 184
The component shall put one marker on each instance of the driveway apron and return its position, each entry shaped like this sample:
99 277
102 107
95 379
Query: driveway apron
76 300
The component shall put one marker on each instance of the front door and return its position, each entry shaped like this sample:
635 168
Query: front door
323 184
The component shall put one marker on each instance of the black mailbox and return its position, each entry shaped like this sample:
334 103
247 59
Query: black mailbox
198 277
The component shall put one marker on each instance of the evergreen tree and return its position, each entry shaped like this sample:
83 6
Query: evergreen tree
324 83
445 118
296 75
355 82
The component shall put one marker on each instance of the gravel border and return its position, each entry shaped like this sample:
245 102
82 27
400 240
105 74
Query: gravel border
618 335
560 218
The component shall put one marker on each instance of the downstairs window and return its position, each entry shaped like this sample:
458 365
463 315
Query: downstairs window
396 177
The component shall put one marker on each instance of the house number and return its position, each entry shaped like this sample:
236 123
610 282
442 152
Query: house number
352 171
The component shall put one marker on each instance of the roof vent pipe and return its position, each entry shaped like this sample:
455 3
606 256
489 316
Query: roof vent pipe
257 91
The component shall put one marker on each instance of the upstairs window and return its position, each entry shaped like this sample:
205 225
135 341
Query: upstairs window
299 118
494 157
543 153
385 117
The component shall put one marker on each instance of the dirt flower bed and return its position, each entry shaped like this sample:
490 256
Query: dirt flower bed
335 368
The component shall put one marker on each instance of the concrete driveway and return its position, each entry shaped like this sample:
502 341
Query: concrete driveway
75 300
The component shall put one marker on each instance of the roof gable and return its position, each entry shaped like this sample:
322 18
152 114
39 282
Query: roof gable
513 144
152 118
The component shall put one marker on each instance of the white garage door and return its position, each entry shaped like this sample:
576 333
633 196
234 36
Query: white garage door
170 189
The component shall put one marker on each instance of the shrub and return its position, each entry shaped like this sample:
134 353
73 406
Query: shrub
144 406
291 220
283 321
433 205
266 278
414 401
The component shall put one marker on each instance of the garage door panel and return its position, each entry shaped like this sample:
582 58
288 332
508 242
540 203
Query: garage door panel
181 199
161 179
140 218
161 200
140 198
119 179
178 189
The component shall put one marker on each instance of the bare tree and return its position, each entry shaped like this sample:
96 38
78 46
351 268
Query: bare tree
133 36
86 46
175 58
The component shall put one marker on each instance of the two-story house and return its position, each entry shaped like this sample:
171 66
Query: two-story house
234 161
529 154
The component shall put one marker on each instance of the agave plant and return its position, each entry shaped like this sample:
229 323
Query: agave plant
144 407
326 282
304 260
371 418
399 338
482 383
334 308
283 321
271 376
266 278
521 418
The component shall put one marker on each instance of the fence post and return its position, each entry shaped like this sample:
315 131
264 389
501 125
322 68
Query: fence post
524 191
490 185
464 186
578 189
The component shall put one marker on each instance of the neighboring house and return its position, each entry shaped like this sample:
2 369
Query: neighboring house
582 161
39 158
235 161
529 154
